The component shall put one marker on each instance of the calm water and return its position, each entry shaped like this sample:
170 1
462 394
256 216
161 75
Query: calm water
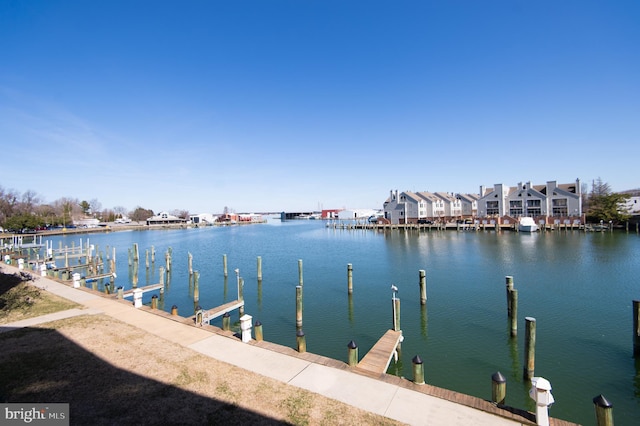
578 286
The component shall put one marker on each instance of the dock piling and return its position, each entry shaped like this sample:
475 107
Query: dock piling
509 286
418 370
423 286
352 353
301 341
529 347
298 306
604 411
257 327
514 312
349 278
636 328
498 388
259 266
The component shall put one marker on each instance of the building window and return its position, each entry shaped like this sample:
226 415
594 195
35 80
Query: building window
493 208
560 207
515 208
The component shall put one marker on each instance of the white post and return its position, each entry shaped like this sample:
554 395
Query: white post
7 259
43 270
20 264
137 298
245 326
76 280
540 392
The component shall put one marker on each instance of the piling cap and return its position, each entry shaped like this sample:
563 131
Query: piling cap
300 333
417 360
601 401
352 345
258 323
174 307
226 315
498 377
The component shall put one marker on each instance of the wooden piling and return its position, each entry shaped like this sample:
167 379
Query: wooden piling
509 286
301 341
259 266
395 303
529 348
299 306
153 254
154 301
498 388
257 328
241 296
190 264
120 293
196 286
352 354
349 278
224 265
514 312
226 321
146 258
636 328
418 370
300 280
174 310
423 286
604 411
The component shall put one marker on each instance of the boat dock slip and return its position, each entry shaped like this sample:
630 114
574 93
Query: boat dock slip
377 360
214 313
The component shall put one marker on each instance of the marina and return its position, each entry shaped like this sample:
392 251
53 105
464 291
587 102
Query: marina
578 285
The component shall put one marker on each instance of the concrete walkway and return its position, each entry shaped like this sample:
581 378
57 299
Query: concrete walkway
384 397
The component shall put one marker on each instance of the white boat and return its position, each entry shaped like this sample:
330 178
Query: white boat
527 224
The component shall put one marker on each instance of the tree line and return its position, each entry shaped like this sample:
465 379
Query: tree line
28 211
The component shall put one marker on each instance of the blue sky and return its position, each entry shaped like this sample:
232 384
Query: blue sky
296 105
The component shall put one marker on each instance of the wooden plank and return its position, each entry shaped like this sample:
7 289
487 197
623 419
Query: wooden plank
144 289
214 313
377 360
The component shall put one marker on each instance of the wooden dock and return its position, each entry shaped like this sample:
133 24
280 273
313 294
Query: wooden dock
377 360
144 289
211 314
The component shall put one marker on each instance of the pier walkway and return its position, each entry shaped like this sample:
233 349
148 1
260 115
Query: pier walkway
377 360
387 395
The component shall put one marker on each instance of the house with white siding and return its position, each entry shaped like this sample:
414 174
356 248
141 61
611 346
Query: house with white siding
468 204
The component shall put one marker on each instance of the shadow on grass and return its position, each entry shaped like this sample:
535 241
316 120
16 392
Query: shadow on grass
43 366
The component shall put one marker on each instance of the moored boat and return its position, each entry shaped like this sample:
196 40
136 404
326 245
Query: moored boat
527 224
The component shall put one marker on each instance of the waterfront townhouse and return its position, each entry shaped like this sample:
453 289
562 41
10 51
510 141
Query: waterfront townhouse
452 205
468 204
410 207
550 203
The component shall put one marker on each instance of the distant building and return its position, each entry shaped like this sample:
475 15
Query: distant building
421 207
356 214
330 213
164 218
549 203
202 219
632 205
